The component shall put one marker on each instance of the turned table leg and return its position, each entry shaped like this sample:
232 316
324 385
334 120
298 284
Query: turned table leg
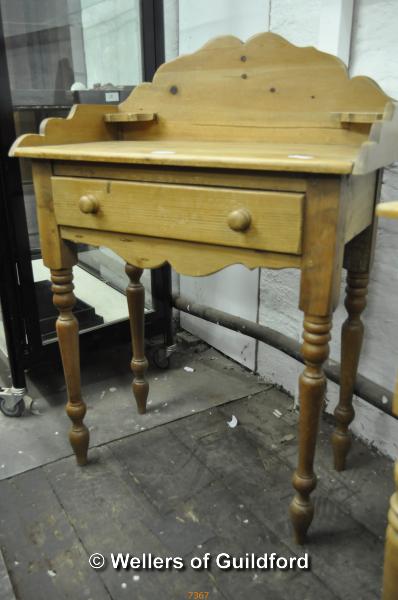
351 342
390 580
68 337
315 350
139 364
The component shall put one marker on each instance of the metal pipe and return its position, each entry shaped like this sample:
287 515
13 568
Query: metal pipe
374 394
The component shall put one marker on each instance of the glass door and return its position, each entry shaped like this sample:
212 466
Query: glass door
63 52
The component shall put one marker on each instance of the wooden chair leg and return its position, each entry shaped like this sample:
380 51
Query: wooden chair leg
68 337
390 580
351 343
139 364
315 350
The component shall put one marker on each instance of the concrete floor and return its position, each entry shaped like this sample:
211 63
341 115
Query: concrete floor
180 482
42 437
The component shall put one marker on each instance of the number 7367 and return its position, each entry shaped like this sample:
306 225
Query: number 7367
198 595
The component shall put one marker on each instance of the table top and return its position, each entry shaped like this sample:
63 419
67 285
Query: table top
316 158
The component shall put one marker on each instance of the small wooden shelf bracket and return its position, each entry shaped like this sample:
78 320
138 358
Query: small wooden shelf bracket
128 117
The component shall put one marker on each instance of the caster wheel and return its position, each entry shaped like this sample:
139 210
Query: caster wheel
10 409
160 360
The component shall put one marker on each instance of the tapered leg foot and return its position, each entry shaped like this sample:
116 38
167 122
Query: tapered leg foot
342 441
351 343
301 507
140 385
79 436
315 350
68 337
139 364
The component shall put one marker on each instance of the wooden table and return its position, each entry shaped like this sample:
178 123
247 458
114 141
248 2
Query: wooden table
262 154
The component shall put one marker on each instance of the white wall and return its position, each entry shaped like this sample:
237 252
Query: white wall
296 21
374 52
235 289
200 21
112 41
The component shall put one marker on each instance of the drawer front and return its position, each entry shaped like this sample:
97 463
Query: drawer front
230 217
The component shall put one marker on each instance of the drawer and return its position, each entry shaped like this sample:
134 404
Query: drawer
230 217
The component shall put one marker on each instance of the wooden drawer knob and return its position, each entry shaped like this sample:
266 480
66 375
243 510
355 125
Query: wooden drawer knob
239 219
88 204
